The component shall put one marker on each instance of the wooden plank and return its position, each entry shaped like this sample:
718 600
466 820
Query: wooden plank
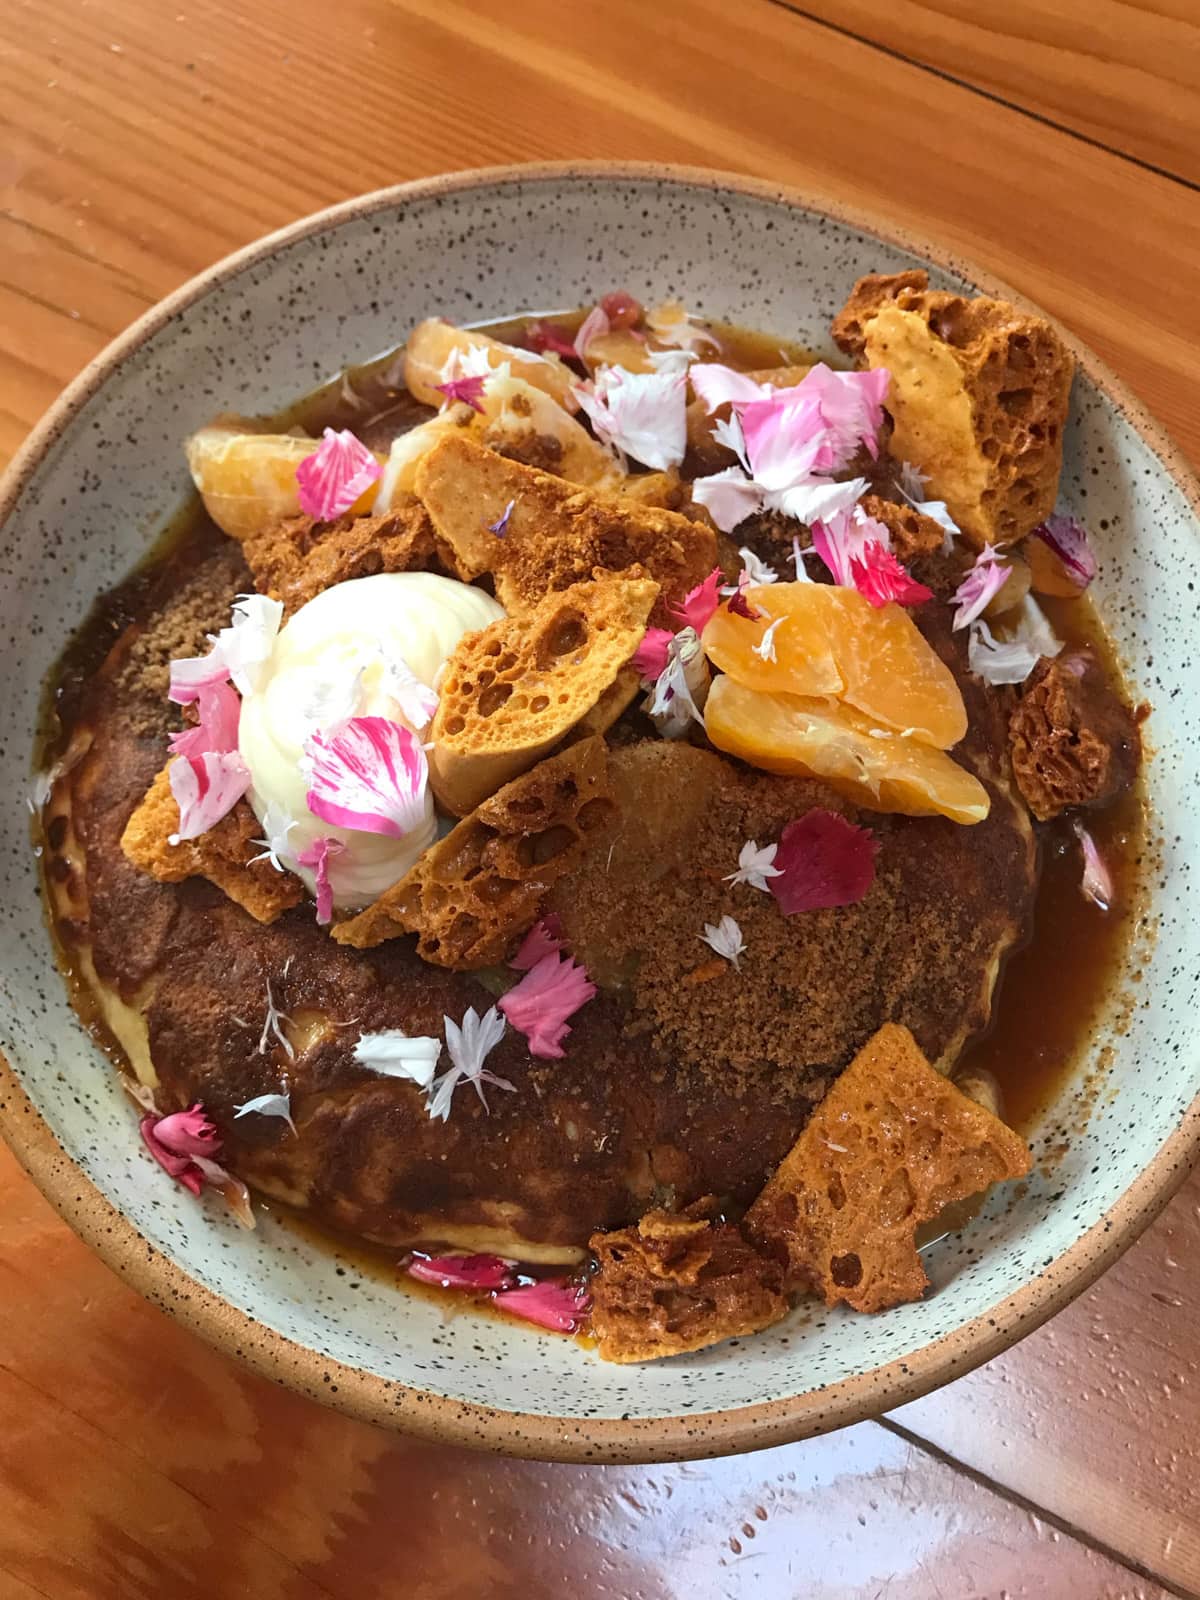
1097 1416
1122 72
135 1462
137 150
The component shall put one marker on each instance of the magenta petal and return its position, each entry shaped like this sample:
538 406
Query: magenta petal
699 604
317 857
544 939
188 1133
543 335
650 657
985 580
879 577
220 708
331 479
1068 538
462 1272
1096 884
369 775
822 861
554 1303
594 326
539 1006
468 389
206 788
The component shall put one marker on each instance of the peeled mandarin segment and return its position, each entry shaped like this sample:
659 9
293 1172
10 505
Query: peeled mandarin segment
893 674
248 480
802 737
804 657
432 342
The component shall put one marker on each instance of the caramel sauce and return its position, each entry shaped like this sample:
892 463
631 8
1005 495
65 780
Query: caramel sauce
1051 991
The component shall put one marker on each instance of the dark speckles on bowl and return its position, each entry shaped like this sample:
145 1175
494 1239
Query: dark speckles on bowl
105 470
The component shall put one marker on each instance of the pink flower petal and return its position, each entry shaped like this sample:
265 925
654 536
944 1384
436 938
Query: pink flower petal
317 857
879 577
549 993
370 775
822 861
554 1303
182 1143
738 603
728 496
980 586
621 309
717 385
594 326
1068 538
1096 883
206 788
650 657
469 390
544 939
699 604
545 335
462 1272
642 414
331 479
190 675
220 710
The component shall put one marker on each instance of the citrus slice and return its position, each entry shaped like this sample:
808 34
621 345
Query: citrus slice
248 480
432 343
832 641
800 736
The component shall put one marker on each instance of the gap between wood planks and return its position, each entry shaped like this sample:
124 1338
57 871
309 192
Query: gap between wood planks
986 94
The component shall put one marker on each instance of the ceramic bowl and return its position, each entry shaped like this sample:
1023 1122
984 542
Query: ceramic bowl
82 503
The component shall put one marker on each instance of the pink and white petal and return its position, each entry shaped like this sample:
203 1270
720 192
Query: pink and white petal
339 470
370 775
206 788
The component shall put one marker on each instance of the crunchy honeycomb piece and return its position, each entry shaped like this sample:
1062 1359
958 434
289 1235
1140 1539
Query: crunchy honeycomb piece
222 855
475 891
889 1147
918 542
978 398
298 558
1072 740
680 1281
612 704
514 689
557 533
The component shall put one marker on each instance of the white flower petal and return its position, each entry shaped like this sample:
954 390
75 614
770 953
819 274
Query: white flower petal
268 1105
395 1054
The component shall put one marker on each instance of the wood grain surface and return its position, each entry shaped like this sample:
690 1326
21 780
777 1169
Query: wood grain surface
1119 72
139 143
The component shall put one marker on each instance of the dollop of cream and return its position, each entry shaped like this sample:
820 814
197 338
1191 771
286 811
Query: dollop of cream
335 659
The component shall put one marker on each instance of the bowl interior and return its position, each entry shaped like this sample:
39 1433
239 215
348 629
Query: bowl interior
284 322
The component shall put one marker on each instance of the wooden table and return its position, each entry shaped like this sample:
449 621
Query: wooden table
1058 143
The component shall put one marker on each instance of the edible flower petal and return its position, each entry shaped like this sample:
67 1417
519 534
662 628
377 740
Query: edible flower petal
641 414
462 1272
985 580
1012 659
500 526
738 602
698 605
670 324
650 657
545 938
468 1043
191 674
1097 883
911 481
268 1105
276 825
816 500
395 1054
317 857
678 695
594 326
554 1303
416 700
545 335
725 939
798 558
206 788
369 775
331 479
1068 538
822 861
550 992
219 710
467 389
755 866
755 570
880 578
246 645
765 648
718 385
728 496
272 1028
179 1142
840 539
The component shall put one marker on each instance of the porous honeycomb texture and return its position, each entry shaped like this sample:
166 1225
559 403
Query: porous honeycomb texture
889 1147
471 895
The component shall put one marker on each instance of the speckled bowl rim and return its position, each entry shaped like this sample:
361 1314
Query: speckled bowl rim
442 1419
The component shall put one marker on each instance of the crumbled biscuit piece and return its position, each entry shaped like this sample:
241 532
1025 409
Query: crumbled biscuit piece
223 855
298 558
978 397
475 891
1072 740
679 1281
919 543
513 690
556 533
889 1147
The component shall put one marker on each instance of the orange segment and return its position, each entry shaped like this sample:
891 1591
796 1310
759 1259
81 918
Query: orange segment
832 641
804 654
248 480
804 737
432 342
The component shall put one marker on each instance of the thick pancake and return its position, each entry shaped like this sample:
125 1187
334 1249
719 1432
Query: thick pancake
643 1110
